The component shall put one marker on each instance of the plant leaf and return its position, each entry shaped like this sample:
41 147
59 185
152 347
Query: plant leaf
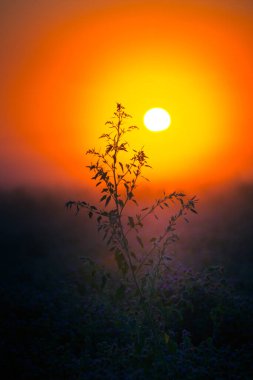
102 198
139 241
107 200
121 165
131 221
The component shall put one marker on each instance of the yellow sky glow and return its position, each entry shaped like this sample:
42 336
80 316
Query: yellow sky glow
193 61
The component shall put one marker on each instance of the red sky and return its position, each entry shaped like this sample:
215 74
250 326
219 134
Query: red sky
66 64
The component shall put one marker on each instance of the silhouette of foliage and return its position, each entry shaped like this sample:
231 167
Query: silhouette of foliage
117 181
117 178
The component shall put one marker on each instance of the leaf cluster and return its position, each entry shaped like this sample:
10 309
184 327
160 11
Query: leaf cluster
117 170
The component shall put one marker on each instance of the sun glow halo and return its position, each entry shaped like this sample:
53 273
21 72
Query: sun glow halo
157 119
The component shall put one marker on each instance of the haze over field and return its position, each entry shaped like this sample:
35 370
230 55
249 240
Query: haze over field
67 63
73 307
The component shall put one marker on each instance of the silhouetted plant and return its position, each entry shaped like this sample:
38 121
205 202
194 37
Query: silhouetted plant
117 181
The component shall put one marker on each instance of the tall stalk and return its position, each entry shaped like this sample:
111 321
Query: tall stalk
117 178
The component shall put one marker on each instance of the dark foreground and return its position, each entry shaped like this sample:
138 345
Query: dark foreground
60 319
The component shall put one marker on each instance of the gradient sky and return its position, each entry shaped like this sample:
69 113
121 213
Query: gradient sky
66 64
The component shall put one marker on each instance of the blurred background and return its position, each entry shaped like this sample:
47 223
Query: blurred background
64 67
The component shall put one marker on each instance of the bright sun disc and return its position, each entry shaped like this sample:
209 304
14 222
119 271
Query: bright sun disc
157 119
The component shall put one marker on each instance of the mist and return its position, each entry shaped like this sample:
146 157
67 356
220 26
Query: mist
37 230
45 300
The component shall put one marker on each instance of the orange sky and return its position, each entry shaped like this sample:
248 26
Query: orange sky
66 64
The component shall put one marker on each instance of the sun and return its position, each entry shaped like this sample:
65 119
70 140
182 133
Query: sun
157 119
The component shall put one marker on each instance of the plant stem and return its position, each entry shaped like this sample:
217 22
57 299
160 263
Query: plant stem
123 239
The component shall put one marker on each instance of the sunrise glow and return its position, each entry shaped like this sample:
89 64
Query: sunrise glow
63 86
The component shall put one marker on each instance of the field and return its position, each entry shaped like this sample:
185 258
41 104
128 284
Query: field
62 318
